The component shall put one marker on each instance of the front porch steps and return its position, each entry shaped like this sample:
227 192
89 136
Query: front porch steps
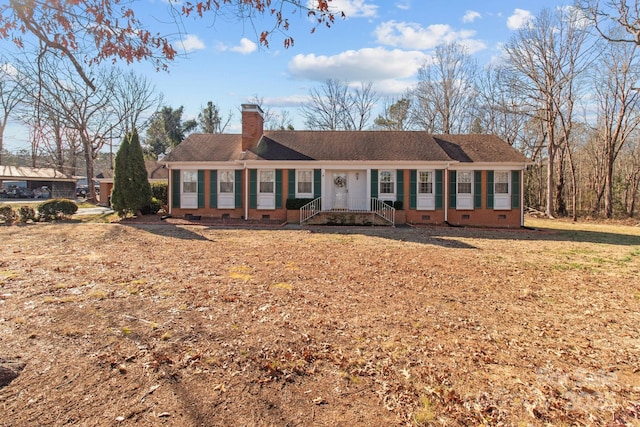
340 217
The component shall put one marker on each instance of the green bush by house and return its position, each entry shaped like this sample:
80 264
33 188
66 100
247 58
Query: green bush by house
57 209
294 204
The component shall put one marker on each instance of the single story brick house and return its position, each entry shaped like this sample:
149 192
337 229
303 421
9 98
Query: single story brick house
358 177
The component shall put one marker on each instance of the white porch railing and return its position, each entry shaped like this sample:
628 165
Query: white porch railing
377 206
311 209
383 210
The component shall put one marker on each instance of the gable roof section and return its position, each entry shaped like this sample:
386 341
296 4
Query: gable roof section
349 146
205 147
155 171
479 148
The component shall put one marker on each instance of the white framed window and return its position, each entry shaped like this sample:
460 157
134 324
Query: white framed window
501 190
267 181
227 179
501 182
226 188
189 181
189 194
266 189
425 182
464 184
304 183
425 199
465 181
386 183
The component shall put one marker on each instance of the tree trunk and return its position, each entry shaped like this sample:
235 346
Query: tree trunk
88 157
550 186
608 191
1 141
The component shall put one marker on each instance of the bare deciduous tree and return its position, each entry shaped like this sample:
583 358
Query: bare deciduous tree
546 58
498 108
63 108
445 94
10 97
336 106
134 100
611 16
618 111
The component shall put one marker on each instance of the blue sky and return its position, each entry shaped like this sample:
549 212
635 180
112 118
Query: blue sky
380 41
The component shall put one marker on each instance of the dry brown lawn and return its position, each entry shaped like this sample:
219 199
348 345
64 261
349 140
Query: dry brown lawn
160 324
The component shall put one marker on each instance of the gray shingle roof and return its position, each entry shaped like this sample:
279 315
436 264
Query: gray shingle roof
205 147
479 148
24 172
347 146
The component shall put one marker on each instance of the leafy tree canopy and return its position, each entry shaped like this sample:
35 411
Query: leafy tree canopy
166 130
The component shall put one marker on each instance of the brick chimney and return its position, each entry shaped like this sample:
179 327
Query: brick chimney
252 125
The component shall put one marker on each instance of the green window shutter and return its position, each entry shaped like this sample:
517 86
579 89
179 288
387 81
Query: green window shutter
237 181
200 189
489 189
175 188
400 185
477 183
253 188
278 188
413 188
291 174
439 203
317 183
374 183
515 189
213 189
452 189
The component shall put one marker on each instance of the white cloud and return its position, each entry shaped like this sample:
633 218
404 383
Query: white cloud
411 35
191 43
351 8
287 101
470 16
519 19
364 65
245 47
8 69
403 5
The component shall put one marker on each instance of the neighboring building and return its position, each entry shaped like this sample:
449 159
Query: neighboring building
156 172
57 184
347 176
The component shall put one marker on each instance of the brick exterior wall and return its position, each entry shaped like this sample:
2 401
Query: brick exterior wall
479 217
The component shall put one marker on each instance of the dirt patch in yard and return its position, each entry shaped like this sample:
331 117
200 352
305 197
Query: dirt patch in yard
182 325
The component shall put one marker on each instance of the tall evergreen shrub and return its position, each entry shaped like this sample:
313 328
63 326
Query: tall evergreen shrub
131 189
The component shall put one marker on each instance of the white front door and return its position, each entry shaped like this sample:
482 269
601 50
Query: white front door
358 199
340 190
346 190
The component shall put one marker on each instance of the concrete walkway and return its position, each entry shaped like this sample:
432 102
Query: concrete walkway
98 210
